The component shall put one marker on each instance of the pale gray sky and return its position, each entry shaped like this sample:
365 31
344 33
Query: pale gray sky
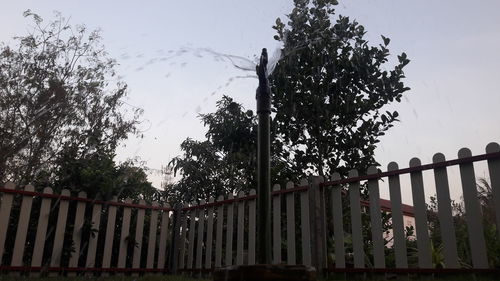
453 46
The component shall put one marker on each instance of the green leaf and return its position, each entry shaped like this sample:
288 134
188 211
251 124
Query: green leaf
386 40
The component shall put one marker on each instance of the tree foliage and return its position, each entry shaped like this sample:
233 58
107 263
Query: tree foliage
224 162
62 114
329 90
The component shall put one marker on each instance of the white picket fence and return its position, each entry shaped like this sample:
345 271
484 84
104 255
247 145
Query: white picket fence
202 236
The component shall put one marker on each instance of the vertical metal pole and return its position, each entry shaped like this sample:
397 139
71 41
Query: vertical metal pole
263 162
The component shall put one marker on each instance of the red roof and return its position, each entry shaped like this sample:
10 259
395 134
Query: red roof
385 205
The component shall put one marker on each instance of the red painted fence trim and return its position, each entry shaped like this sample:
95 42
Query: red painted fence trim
88 200
416 270
416 169
79 269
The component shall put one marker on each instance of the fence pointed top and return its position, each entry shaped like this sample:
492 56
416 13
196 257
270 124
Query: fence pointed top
65 192
464 152
335 176
304 182
392 166
438 157
276 187
48 190
415 162
166 205
10 185
252 191
353 173
211 199
29 187
220 198
372 170
202 202
289 185
492 147
82 194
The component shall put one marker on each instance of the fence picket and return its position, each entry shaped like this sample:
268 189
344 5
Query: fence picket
317 221
376 220
183 235
210 232
357 230
192 231
92 248
218 235
122 253
41 231
77 232
473 213
22 229
5 209
139 232
421 227
229 232
241 228
162 247
153 227
338 225
494 172
276 226
55 260
199 244
110 232
398 229
251 228
290 226
305 225
444 213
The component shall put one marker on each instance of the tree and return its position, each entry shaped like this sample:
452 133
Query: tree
329 90
221 164
56 100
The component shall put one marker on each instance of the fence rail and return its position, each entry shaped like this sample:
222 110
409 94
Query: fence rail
326 223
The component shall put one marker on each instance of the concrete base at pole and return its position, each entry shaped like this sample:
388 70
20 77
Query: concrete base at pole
265 272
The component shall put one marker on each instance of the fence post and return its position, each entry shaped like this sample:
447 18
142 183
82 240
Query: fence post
22 230
317 222
276 199
251 229
5 209
356 225
210 233
173 260
125 231
162 247
338 225
398 228
494 172
55 260
444 214
77 232
41 232
473 215
110 232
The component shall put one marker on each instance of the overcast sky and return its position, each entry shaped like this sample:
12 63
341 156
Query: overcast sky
454 47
